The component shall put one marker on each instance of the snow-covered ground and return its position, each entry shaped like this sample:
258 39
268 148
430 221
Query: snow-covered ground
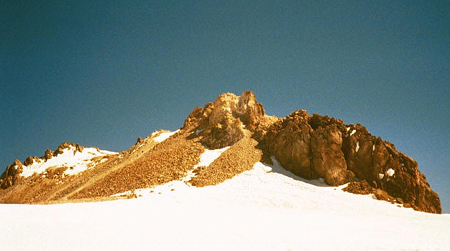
74 160
163 135
266 208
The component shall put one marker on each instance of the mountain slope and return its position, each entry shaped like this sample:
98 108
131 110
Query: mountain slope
312 147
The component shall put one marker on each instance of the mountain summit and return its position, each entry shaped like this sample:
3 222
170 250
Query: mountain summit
217 142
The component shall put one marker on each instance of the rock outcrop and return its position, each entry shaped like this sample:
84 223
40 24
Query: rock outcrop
30 160
322 147
67 145
48 154
11 176
224 122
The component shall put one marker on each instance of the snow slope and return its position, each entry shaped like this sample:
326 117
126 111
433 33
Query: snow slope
266 208
161 136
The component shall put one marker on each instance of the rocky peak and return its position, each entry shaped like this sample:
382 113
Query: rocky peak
48 154
11 176
224 122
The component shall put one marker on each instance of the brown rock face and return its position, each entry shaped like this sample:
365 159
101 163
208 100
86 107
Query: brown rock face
11 176
322 147
223 122
289 140
328 158
67 145
30 160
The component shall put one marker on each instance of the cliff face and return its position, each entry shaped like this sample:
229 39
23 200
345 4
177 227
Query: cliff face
310 146
322 147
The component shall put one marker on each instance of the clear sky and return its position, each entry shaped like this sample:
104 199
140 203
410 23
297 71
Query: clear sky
102 73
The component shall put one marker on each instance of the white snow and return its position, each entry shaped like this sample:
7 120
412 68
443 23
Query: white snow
266 208
163 136
74 160
206 159
381 175
390 172
353 132
357 146
373 148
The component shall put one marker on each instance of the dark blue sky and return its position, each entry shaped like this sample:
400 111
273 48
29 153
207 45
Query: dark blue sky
102 73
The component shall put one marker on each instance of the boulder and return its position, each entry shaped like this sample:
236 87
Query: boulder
30 160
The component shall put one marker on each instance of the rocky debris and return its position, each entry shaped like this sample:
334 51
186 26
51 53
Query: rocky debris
55 172
224 122
11 176
139 141
363 187
359 187
167 161
239 158
322 147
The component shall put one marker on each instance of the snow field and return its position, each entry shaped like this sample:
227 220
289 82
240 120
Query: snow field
261 209
266 208
75 161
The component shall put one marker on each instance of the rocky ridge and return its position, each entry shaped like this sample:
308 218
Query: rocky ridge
310 146
321 147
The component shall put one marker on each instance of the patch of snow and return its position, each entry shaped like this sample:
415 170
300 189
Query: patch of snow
206 159
348 129
209 156
75 161
353 132
390 172
357 146
381 175
373 148
163 136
